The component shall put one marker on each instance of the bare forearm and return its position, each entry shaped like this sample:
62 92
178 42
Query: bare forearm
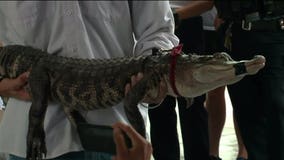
194 8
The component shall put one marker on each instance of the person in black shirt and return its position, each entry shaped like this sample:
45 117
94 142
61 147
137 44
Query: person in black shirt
257 27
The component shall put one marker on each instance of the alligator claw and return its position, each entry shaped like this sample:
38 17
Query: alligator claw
36 148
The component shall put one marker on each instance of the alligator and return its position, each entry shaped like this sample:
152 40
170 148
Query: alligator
89 84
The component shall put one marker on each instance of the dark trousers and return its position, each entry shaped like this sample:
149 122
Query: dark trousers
81 155
258 100
214 42
194 121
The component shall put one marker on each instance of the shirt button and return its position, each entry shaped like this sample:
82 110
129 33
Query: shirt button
68 12
74 50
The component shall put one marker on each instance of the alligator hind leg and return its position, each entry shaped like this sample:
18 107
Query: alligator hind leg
39 85
74 116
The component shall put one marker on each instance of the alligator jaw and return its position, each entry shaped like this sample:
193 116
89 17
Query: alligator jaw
192 82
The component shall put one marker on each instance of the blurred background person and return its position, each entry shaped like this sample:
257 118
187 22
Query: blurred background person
215 99
193 121
257 27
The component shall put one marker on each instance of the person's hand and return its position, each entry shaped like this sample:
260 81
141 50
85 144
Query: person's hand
162 92
141 148
217 22
15 87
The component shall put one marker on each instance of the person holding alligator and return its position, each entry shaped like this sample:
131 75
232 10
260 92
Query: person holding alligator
142 149
85 29
54 120
193 120
257 27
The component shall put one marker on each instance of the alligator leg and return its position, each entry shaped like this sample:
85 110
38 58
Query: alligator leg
135 95
39 85
73 116
131 109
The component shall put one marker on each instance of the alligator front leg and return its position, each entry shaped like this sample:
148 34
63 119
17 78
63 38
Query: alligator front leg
39 85
132 111
135 95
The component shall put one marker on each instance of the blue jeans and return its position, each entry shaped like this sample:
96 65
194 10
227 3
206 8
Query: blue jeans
75 156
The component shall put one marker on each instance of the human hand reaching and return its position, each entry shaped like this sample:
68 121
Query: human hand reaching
15 87
162 91
141 149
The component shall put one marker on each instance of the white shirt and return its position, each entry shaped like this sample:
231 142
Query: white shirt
178 4
86 29
208 19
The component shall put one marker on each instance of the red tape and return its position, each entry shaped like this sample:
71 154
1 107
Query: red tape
175 52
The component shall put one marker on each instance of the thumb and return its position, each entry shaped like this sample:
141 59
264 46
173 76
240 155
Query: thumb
23 78
20 81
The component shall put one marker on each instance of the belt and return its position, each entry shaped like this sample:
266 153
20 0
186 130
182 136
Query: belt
262 25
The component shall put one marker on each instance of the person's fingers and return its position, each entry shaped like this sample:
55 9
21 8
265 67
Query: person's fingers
23 95
121 148
159 97
21 80
127 89
134 80
24 77
163 90
130 132
139 76
19 90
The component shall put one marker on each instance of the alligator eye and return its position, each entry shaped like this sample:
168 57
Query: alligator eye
217 55
222 56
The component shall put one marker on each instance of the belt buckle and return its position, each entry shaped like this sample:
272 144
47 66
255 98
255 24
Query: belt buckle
246 25
281 22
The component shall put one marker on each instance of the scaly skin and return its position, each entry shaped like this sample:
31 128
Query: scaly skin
82 84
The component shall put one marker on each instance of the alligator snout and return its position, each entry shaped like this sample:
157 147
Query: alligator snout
254 65
210 72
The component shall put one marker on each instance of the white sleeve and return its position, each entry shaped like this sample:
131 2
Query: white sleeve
153 26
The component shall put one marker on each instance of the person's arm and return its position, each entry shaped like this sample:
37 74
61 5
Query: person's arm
194 8
141 148
217 22
153 27
163 90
